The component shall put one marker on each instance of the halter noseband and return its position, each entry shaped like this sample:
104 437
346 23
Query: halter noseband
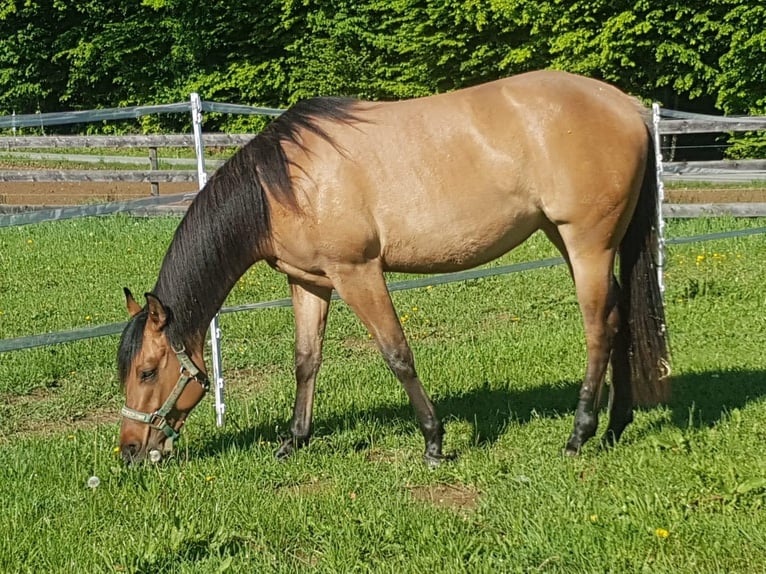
158 419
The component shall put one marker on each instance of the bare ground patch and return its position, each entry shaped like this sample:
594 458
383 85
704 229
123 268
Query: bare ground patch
39 425
715 195
455 497
249 381
76 193
72 193
46 411
315 486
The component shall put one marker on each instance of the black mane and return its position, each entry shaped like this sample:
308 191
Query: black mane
227 227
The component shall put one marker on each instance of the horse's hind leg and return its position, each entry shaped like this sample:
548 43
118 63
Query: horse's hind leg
592 271
364 289
621 394
311 305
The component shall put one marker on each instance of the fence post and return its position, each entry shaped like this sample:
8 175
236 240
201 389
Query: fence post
215 331
154 165
660 197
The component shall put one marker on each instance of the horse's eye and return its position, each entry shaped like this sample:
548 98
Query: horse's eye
147 375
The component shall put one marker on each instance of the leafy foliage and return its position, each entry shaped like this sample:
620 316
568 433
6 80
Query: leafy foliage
57 54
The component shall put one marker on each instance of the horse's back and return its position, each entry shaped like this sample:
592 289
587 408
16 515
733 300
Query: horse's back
454 180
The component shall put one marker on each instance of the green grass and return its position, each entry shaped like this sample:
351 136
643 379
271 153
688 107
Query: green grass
502 358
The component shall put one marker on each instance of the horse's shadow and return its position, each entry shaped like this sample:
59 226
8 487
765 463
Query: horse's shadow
699 400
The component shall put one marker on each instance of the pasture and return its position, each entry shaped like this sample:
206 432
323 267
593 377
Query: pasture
502 357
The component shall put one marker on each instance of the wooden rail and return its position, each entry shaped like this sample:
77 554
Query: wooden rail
135 141
698 126
100 175
675 170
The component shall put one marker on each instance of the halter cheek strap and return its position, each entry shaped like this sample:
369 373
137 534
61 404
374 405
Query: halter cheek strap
158 419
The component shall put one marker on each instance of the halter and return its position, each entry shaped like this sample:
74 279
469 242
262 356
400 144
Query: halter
158 419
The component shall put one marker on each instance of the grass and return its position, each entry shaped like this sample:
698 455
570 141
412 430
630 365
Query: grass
501 356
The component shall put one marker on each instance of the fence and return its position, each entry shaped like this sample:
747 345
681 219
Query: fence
679 123
195 106
674 123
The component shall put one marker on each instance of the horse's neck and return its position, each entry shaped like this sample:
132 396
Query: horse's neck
195 289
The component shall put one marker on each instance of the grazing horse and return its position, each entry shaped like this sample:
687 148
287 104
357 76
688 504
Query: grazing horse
335 192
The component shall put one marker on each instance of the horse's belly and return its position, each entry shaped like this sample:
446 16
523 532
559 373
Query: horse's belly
445 246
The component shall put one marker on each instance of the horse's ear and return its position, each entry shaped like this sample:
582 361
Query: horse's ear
133 307
158 313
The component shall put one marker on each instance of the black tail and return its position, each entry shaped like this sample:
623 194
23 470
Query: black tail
641 310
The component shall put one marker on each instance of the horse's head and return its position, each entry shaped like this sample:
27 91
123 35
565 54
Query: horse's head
161 378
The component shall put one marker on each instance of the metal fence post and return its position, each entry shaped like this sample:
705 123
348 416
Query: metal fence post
215 331
660 198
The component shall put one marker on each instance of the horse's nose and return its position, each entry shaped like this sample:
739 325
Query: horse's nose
130 451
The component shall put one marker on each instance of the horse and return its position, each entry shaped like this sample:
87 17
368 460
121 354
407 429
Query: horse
337 191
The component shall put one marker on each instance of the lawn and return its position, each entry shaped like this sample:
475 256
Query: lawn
501 356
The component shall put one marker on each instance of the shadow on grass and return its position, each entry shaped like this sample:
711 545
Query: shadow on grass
699 400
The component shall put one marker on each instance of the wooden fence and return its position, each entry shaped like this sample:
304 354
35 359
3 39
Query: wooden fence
722 170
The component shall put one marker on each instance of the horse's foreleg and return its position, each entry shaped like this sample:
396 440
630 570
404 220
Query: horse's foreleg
365 291
311 305
597 296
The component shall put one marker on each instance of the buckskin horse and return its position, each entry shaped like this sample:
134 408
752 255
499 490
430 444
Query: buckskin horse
335 192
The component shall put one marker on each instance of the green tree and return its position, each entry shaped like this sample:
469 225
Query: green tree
29 78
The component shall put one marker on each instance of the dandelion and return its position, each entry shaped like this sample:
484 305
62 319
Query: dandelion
593 518
700 259
30 241
116 450
414 309
661 533
209 478
87 317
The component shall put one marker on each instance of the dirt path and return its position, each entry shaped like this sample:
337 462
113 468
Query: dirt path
50 193
43 193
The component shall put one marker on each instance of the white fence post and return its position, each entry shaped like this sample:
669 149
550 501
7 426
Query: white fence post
215 330
660 198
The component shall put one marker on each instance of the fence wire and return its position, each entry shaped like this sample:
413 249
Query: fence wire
33 341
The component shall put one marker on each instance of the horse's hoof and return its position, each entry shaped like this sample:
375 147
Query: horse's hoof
434 460
570 451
